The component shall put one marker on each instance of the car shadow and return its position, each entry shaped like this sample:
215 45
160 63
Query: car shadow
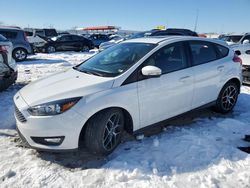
193 142
82 159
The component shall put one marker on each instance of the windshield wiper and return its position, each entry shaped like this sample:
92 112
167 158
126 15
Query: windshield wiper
88 72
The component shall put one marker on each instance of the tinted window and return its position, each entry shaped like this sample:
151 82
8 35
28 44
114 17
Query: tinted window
9 34
40 33
65 38
223 51
202 52
169 58
246 38
75 38
116 60
28 33
50 32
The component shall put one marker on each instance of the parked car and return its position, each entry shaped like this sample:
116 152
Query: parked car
21 46
66 43
113 40
45 33
243 51
34 39
8 70
97 39
154 32
235 39
127 87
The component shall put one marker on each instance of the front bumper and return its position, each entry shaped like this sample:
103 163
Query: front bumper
67 125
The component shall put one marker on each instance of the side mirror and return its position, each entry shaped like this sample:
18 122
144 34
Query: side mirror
246 42
151 71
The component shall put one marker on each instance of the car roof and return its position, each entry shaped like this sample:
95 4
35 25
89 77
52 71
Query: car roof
161 39
10 28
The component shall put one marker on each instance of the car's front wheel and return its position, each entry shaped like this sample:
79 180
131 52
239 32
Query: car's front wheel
51 49
19 54
104 131
227 98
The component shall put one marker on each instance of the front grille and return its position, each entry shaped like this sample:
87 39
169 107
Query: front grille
19 115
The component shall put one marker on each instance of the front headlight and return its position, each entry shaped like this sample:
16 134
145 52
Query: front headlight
53 108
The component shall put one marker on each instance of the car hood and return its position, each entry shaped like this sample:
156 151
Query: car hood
62 85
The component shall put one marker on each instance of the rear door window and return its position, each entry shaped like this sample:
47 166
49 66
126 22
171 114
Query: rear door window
202 52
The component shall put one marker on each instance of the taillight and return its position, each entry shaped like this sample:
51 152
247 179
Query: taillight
237 59
4 49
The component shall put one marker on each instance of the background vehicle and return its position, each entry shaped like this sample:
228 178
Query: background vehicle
97 39
154 32
243 50
35 39
235 39
66 43
114 40
164 73
8 70
21 46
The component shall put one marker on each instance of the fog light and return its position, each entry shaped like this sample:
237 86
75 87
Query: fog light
53 140
49 141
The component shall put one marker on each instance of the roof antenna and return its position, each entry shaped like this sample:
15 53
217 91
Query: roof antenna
196 19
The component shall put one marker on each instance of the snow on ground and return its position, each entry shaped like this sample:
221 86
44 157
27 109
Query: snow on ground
199 153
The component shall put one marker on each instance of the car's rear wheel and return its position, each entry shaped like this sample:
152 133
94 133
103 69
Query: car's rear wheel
227 98
104 131
51 49
19 54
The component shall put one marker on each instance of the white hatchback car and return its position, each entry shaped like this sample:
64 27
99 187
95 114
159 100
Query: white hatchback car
127 87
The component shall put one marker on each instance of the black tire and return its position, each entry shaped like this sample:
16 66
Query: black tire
101 135
227 98
50 49
19 54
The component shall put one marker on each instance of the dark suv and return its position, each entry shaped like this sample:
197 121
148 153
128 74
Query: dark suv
8 69
21 46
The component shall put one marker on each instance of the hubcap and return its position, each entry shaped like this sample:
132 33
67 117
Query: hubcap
20 54
85 48
229 97
112 132
51 49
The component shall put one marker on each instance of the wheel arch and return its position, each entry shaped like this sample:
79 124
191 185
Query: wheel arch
128 122
234 80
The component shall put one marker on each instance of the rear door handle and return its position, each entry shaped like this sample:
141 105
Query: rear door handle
220 68
184 79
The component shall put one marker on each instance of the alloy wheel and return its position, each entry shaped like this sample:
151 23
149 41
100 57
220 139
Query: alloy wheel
112 132
229 97
20 55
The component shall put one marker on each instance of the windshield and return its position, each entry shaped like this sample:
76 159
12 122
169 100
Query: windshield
115 60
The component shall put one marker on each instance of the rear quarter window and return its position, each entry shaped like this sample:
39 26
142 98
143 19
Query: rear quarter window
202 52
222 51
9 34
